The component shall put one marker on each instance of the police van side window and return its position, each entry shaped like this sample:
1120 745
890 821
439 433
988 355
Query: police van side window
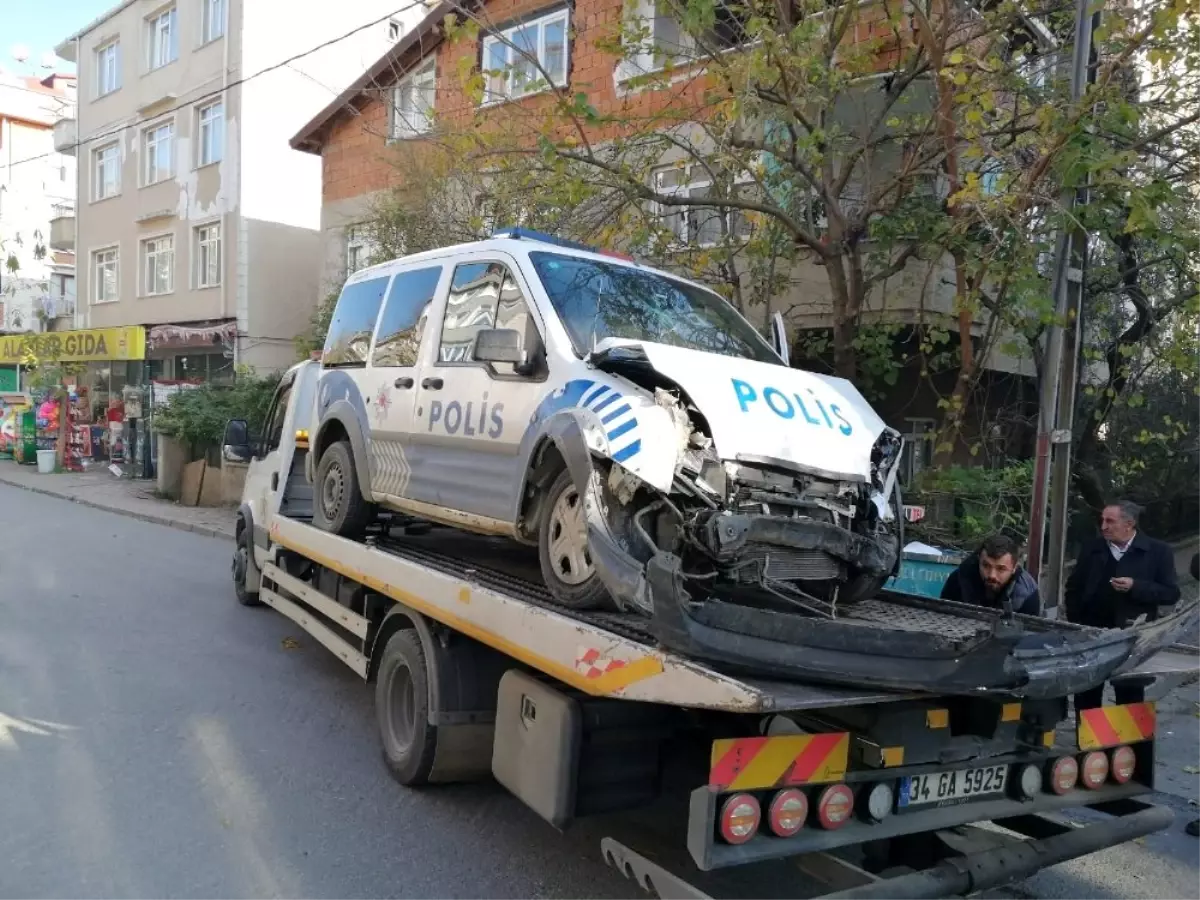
398 339
353 323
482 295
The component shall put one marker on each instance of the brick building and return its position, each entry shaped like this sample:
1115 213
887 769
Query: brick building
395 102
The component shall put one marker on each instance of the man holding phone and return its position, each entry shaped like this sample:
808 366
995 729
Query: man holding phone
1119 576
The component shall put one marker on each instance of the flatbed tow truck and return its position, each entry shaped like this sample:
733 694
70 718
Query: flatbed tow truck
478 672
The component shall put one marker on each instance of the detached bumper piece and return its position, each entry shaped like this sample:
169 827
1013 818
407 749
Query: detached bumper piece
901 643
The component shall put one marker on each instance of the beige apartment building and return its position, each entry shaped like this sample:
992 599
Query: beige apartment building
195 219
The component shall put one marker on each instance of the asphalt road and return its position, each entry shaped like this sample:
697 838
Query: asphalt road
158 740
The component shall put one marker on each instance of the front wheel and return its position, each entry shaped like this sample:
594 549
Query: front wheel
563 551
340 507
241 569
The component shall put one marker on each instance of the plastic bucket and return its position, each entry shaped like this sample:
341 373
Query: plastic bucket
45 459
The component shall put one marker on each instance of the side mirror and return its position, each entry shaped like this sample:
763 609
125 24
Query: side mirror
499 345
235 446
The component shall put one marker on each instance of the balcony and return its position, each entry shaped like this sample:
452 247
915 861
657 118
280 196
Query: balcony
66 135
62 229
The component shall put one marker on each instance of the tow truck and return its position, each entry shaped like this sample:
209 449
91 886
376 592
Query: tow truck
478 672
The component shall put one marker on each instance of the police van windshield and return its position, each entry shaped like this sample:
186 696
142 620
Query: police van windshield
598 300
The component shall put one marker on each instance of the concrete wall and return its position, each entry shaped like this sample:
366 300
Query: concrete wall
282 285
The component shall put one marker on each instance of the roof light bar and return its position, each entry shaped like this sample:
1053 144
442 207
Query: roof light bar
528 234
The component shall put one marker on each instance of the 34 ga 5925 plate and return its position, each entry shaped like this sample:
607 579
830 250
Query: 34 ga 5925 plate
953 786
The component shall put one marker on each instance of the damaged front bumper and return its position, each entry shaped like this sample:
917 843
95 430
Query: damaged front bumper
727 536
963 650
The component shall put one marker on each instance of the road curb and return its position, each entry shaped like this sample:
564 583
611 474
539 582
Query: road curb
151 518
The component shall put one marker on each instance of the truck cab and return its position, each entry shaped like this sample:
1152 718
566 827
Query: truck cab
276 478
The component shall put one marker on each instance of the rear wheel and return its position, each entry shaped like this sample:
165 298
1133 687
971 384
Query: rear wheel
339 505
402 708
563 551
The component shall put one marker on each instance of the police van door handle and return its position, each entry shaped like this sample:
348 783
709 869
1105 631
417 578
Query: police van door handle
404 383
433 384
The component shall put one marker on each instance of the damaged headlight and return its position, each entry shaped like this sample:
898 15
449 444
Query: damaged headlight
885 467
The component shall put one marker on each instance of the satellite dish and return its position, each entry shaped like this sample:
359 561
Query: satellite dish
20 52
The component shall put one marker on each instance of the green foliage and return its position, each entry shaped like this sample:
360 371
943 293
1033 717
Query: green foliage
981 501
314 338
197 417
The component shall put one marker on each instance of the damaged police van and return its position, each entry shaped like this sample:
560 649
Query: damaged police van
608 414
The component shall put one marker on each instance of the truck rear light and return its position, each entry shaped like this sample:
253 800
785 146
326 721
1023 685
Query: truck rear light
787 811
879 802
1123 762
834 806
740 815
1030 782
1063 775
1094 771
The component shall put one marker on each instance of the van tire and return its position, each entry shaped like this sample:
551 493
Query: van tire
588 594
338 503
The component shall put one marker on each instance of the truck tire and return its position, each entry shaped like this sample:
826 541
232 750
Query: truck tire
562 549
409 742
338 504
242 551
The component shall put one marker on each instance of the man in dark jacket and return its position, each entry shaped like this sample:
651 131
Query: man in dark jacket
992 577
1119 576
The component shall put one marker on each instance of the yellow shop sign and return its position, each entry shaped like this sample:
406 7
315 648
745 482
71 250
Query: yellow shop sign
91 345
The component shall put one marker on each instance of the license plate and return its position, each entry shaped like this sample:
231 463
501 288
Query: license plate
949 788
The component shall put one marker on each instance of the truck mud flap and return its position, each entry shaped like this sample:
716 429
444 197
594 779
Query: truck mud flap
958 876
1019 656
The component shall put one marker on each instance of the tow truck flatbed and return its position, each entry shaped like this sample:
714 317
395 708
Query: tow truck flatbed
478 673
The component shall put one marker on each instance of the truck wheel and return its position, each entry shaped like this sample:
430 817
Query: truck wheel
562 548
340 507
402 708
241 566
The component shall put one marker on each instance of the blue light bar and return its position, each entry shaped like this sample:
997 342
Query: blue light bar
527 234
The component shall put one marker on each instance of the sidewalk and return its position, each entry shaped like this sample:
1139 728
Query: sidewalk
125 496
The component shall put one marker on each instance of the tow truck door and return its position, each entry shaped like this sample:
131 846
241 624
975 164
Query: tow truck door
471 416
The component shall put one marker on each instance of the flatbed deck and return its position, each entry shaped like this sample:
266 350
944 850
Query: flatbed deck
497 599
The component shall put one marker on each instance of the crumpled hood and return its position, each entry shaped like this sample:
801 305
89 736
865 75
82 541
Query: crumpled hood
762 413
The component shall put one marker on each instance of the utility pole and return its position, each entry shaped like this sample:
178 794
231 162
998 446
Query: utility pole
1060 374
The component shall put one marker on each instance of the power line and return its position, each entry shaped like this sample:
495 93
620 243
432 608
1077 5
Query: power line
279 65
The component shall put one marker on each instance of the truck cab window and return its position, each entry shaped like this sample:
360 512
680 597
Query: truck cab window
274 428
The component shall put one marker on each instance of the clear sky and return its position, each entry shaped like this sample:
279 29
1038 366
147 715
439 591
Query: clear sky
38 25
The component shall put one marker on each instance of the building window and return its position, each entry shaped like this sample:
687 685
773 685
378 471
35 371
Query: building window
158 265
157 148
412 102
208 255
214 20
108 68
508 58
162 39
664 40
211 130
699 226
360 249
394 30
917 455
105 268
106 167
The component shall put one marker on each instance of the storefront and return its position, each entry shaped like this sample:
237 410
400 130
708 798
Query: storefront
101 370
